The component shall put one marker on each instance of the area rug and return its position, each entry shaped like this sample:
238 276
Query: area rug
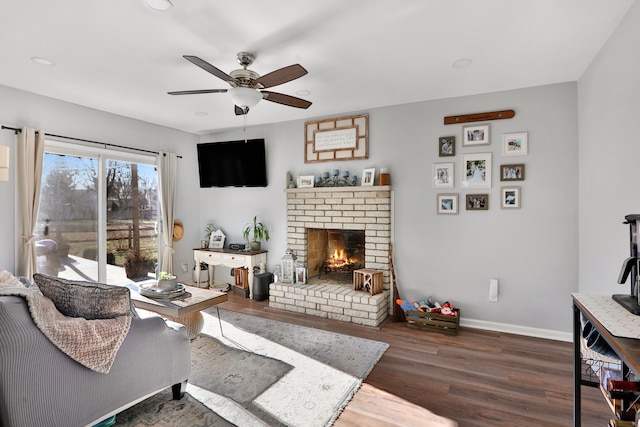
251 371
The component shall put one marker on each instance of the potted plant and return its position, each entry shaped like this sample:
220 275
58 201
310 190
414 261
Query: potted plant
166 281
137 266
210 228
254 233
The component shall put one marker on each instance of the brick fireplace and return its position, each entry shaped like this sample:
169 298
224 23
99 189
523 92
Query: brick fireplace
366 209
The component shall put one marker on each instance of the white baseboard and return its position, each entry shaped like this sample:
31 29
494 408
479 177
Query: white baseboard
516 329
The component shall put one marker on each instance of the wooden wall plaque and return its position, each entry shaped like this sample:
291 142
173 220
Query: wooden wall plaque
344 138
479 117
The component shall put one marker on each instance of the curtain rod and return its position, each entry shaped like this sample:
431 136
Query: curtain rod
18 130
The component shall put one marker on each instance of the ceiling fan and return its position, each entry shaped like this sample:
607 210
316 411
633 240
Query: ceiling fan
246 85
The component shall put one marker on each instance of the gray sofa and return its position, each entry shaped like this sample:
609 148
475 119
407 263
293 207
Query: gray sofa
41 386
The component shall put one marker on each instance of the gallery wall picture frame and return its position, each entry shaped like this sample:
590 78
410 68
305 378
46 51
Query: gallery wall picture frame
476 135
368 176
515 144
510 197
476 170
447 204
443 175
513 172
447 146
305 181
477 202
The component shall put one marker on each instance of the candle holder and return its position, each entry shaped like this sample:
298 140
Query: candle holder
336 180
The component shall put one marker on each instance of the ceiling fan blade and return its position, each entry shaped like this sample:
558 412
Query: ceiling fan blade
210 68
283 99
283 75
240 112
196 92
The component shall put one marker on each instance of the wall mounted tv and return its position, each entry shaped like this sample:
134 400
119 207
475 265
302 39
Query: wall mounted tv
232 164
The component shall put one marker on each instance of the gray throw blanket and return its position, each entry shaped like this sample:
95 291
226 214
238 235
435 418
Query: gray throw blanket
92 343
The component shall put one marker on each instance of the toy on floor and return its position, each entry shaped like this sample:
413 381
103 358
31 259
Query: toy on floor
428 305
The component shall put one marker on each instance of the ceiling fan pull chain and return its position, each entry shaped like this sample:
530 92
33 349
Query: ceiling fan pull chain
245 126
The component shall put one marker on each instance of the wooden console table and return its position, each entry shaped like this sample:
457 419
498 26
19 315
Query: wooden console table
627 349
230 258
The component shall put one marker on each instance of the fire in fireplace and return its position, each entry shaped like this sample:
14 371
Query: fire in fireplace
334 254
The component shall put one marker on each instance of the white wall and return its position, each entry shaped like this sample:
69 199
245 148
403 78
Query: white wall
20 109
609 111
532 251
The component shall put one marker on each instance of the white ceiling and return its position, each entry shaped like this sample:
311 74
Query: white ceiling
122 57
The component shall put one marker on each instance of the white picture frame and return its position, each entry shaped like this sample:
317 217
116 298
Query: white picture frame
476 170
442 175
476 135
216 240
510 197
305 181
368 176
447 204
515 144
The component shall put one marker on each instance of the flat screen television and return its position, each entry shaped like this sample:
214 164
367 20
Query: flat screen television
232 164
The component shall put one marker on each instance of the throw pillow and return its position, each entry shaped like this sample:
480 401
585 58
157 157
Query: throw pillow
90 300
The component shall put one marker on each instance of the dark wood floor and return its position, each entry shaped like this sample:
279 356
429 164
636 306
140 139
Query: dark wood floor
477 378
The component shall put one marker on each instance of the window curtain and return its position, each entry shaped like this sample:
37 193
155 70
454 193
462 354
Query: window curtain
30 144
167 177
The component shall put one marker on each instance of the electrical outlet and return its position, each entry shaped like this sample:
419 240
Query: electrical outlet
493 290
184 266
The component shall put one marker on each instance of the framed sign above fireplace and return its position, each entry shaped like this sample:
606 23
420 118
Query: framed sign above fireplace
344 138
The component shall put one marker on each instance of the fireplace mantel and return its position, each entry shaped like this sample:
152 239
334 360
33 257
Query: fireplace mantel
339 189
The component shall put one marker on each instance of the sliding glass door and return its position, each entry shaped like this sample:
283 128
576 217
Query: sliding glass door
98 214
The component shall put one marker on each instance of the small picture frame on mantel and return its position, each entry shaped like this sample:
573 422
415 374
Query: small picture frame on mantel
368 176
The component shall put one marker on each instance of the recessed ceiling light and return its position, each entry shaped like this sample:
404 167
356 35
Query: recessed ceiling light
462 63
202 113
159 4
303 92
42 61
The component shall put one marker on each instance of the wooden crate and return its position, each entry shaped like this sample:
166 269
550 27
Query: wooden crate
367 280
433 321
242 277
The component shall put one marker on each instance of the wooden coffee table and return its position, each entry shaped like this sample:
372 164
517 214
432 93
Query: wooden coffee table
184 309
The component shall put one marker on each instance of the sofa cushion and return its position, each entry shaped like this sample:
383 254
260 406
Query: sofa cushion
85 299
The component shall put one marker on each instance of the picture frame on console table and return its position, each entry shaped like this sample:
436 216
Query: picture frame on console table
216 241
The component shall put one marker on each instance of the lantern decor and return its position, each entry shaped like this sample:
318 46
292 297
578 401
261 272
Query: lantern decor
288 267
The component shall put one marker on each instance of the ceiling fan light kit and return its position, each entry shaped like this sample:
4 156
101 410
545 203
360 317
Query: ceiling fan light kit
246 85
244 97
